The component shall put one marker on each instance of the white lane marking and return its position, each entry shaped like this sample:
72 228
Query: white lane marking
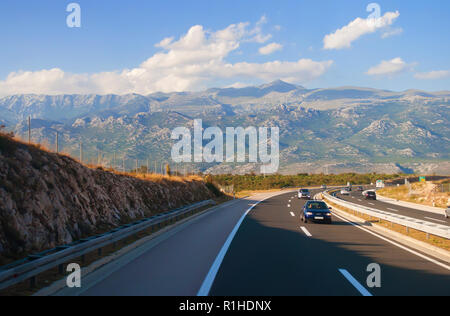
371 203
437 220
211 276
307 233
292 214
289 205
359 200
396 244
393 209
361 289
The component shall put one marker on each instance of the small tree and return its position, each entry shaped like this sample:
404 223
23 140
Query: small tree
209 178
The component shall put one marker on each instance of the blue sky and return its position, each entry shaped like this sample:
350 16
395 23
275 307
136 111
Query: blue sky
40 54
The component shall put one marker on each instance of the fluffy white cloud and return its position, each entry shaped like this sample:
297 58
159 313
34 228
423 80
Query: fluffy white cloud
389 67
192 62
270 48
344 36
432 75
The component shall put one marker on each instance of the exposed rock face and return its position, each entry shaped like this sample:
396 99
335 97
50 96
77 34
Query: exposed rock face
48 200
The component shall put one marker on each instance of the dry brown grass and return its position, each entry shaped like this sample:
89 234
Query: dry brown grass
421 193
153 177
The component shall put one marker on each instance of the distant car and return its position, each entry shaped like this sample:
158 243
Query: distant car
324 186
345 191
370 195
360 189
316 211
447 212
304 194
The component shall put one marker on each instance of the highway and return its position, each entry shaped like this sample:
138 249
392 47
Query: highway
358 198
265 250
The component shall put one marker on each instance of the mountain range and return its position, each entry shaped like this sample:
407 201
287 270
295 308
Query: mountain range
321 130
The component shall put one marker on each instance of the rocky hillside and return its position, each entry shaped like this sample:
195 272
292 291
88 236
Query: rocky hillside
382 131
48 199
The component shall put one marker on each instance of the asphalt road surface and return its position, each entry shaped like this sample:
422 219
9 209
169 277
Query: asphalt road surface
269 252
273 255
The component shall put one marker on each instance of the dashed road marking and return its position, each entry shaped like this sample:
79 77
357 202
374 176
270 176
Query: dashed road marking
307 233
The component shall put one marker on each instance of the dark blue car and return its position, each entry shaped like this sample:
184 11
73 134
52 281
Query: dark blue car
316 211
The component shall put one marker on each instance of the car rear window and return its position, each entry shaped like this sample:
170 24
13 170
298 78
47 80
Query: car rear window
317 206
304 191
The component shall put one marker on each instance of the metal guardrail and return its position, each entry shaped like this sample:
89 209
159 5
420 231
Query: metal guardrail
35 264
408 222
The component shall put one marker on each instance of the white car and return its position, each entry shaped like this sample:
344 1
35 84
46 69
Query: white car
447 212
304 194
345 192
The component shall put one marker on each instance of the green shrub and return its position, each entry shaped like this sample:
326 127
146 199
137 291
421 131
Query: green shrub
214 189
7 145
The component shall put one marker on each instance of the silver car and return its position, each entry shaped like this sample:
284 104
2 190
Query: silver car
447 212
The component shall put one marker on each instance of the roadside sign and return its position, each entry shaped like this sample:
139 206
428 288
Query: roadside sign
422 179
380 184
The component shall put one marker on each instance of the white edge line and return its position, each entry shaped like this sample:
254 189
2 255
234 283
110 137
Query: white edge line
355 283
433 219
307 233
396 244
292 214
391 209
211 276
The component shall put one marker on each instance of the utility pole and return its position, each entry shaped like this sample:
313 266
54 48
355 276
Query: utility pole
147 167
57 142
123 164
29 129
81 151
114 161
136 166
